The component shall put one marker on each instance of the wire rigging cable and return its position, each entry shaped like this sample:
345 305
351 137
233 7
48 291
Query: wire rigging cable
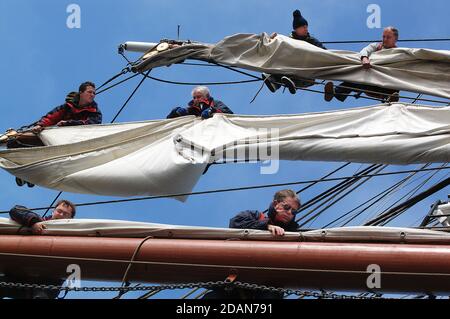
244 188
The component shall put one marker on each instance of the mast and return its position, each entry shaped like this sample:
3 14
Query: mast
405 268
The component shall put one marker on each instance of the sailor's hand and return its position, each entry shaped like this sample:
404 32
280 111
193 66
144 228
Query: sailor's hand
366 63
37 129
275 230
206 114
61 123
38 228
273 35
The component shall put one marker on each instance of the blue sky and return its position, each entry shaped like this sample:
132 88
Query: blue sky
42 60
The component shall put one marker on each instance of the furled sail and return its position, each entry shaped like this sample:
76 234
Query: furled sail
169 156
416 70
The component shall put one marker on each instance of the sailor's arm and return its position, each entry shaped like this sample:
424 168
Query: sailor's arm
365 54
24 216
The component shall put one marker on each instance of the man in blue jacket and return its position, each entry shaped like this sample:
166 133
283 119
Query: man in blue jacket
280 218
64 209
300 32
202 104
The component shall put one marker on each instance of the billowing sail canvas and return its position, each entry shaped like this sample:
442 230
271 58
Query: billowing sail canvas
169 156
417 70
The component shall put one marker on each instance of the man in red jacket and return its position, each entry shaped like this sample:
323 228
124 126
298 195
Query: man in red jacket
79 109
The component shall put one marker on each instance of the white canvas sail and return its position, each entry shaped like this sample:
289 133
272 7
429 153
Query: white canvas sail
416 70
169 156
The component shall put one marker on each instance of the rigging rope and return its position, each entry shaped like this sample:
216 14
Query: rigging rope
371 41
381 195
203 83
360 183
335 191
414 201
338 187
244 188
409 195
218 266
317 181
256 78
407 204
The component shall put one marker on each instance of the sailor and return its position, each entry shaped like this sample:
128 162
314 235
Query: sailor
280 218
280 215
390 38
64 209
202 104
300 32
78 109
25 217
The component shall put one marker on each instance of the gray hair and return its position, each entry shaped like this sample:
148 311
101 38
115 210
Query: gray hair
394 30
202 89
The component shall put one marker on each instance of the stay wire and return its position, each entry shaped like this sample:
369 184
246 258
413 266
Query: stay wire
223 190
256 78
371 41
335 191
202 83
124 71
133 258
342 185
390 192
410 194
381 195
359 183
131 96
318 181
392 206
407 204
377 197
116 84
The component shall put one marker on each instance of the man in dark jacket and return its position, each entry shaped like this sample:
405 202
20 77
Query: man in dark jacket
280 218
25 217
79 109
64 209
202 104
300 32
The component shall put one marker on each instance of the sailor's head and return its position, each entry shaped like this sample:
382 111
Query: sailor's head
200 92
299 24
64 209
284 207
87 93
390 37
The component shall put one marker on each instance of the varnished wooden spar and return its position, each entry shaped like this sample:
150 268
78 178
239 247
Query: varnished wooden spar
405 268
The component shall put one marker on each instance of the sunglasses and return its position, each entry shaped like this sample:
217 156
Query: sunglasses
287 208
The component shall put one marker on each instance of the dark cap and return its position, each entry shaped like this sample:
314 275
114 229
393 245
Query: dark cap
298 21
